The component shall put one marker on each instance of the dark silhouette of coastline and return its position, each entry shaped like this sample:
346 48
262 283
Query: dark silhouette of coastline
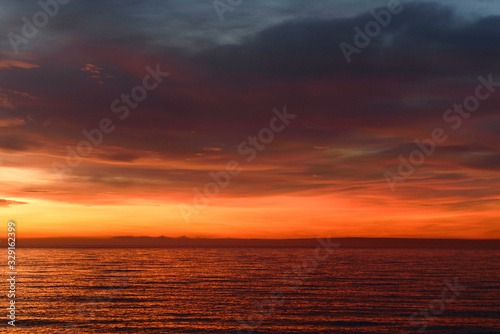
165 242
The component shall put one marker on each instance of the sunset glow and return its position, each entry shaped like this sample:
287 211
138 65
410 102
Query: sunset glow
323 173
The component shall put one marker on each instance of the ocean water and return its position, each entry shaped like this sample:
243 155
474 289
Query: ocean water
223 290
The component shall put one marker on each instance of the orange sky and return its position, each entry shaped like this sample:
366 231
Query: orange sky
323 173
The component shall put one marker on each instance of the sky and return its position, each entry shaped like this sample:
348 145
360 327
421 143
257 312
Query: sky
331 166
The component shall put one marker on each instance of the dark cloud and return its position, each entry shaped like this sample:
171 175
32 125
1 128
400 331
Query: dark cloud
425 38
17 143
486 161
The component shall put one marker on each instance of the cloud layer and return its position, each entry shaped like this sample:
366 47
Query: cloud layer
354 120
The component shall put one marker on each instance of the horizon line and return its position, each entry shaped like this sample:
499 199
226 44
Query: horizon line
183 241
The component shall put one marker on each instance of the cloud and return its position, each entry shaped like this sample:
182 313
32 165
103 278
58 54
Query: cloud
215 149
10 63
7 122
17 143
7 203
425 38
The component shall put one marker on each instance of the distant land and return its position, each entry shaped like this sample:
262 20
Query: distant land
165 242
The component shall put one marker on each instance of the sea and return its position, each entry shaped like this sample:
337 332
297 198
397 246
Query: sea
254 290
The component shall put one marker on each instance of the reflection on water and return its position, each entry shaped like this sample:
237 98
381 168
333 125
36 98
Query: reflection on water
199 290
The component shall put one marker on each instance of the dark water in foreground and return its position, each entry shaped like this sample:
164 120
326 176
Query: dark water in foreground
199 290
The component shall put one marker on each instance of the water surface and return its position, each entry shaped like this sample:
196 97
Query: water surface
203 290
